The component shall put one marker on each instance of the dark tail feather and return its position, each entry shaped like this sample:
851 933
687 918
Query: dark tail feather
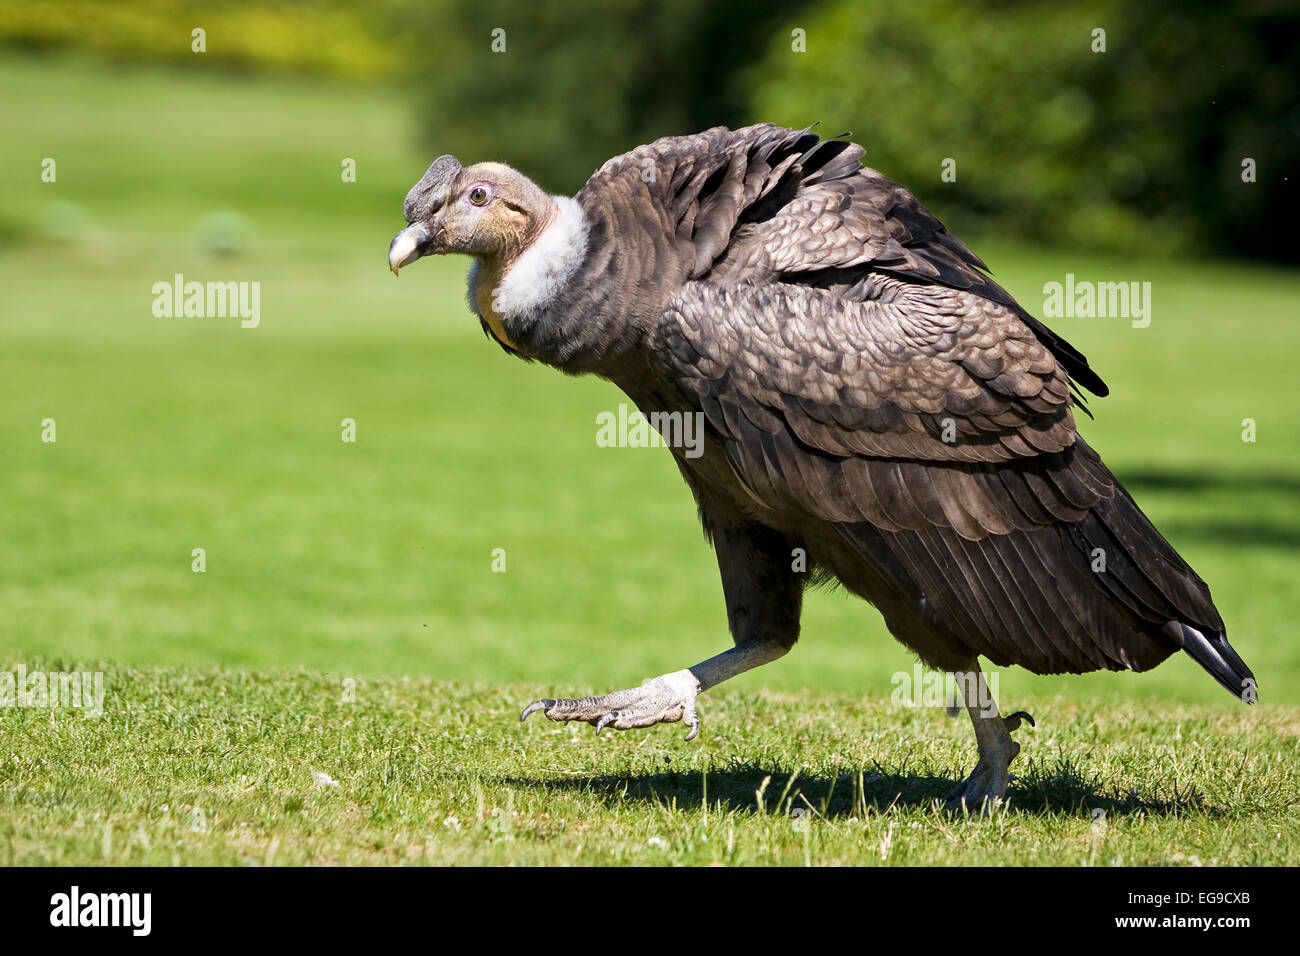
1216 655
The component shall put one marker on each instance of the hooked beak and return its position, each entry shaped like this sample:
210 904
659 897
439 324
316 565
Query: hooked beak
408 245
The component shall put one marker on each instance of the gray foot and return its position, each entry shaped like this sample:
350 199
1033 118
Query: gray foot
986 788
664 700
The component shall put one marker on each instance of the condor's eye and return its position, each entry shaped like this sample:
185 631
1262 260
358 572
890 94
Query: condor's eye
478 196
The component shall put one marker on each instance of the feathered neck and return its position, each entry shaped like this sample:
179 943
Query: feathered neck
585 294
511 297
536 280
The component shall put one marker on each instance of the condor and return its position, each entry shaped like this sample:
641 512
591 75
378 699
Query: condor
872 399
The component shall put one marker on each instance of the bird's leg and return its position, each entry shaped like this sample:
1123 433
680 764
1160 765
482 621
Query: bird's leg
986 787
663 700
764 590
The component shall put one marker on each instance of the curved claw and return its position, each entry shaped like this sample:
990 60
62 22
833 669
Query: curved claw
1016 717
544 704
695 729
605 721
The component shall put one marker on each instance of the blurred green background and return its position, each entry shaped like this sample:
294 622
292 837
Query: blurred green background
376 556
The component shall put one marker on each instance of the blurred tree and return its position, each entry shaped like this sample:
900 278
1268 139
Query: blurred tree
336 37
1139 145
567 85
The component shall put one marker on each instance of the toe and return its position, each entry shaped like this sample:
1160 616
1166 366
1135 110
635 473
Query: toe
544 704
692 721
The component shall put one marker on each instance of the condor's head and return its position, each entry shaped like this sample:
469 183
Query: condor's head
488 210
528 246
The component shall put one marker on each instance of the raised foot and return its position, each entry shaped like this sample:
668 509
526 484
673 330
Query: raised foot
664 700
985 790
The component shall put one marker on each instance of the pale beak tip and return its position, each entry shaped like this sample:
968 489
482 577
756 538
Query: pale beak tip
407 246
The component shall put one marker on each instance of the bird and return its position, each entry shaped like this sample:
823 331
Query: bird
877 413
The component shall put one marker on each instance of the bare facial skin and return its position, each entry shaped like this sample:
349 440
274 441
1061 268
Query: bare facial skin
491 212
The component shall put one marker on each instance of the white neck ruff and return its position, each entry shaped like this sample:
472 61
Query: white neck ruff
538 277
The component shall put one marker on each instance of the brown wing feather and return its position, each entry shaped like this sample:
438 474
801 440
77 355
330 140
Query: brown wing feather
821 413
871 378
763 200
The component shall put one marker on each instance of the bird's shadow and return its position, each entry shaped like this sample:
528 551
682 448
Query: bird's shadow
1040 788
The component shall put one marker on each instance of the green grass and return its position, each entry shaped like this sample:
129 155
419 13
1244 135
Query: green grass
373 560
219 767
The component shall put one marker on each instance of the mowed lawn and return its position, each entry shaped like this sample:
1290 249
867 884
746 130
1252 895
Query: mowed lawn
219 768
370 563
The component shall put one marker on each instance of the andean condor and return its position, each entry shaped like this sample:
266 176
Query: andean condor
878 412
